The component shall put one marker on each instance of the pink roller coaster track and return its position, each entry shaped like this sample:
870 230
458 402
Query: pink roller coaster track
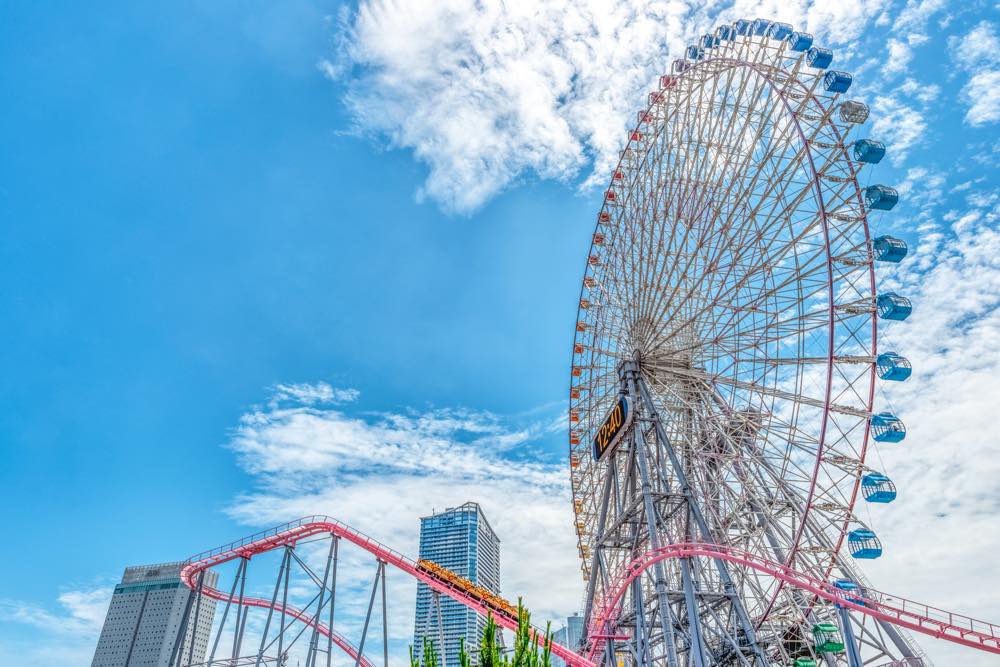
305 527
898 611
904 613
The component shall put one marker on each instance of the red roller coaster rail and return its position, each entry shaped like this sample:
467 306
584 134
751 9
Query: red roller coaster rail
898 611
292 532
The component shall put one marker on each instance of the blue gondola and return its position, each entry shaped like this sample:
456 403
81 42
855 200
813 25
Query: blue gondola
779 30
889 249
692 52
819 57
877 488
887 427
836 81
800 41
855 592
869 151
708 41
761 26
725 33
892 306
881 197
863 543
743 26
891 366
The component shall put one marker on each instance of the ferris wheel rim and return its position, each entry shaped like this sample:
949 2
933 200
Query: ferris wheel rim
580 337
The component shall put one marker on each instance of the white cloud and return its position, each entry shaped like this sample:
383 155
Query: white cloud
382 472
982 93
67 637
487 94
940 535
980 46
313 394
899 57
922 92
916 13
978 53
899 125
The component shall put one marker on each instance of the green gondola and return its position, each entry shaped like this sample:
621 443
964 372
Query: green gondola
828 639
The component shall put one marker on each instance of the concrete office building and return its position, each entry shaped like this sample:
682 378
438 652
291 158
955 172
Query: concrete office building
145 617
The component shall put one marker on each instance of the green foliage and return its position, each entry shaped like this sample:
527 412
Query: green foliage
526 652
429 657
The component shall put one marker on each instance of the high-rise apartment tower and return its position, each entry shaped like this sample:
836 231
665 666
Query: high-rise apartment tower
461 540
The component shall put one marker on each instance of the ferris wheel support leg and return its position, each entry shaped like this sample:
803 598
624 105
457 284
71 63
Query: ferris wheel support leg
642 657
663 603
638 387
904 646
594 560
850 641
694 620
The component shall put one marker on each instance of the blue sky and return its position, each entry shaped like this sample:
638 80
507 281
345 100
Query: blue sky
206 202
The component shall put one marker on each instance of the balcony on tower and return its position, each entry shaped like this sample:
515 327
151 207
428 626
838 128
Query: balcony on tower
892 367
887 427
892 306
863 543
877 488
889 249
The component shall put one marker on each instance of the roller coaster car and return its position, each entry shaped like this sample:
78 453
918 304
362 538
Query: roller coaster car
489 598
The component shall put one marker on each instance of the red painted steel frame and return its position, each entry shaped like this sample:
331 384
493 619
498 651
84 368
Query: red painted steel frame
291 533
898 611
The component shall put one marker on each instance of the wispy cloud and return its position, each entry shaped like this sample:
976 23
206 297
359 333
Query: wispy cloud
313 394
67 636
488 94
978 53
382 471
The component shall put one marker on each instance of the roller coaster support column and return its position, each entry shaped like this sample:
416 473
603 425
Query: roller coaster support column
314 640
441 650
241 619
240 573
270 611
638 387
385 623
284 602
368 617
176 655
850 641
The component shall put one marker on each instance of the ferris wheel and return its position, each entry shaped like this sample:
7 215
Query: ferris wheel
725 365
